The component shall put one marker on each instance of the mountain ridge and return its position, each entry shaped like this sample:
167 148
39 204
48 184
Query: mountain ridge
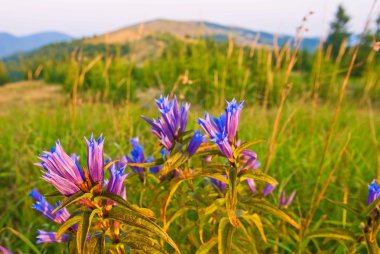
11 44
194 29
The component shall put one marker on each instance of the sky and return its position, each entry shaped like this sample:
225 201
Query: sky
80 18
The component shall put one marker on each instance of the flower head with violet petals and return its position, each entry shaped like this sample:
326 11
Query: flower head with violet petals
51 237
373 192
65 173
46 209
95 158
219 184
222 131
5 250
286 202
195 142
172 123
137 155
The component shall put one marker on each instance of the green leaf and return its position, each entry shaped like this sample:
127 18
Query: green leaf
117 199
83 229
267 207
225 234
72 199
134 219
250 239
69 223
173 162
245 145
148 164
371 207
144 243
333 233
258 176
207 246
254 220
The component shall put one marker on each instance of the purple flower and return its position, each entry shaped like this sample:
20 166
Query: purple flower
173 122
116 183
4 250
195 142
219 184
286 202
233 118
373 192
222 130
46 209
138 156
251 185
249 159
268 189
95 158
50 237
61 170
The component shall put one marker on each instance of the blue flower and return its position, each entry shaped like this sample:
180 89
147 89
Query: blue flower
222 131
268 189
116 183
373 192
46 209
138 156
173 122
50 237
195 142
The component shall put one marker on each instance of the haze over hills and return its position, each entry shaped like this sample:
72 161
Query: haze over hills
195 29
186 30
10 44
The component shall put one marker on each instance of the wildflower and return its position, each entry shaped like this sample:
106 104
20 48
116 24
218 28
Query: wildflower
95 158
51 237
116 183
219 184
249 160
65 173
222 130
46 209
268 189
373 192
195 142
173 122
251 185
4 250
286 202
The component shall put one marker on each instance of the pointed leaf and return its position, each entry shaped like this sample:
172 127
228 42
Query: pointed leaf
207 246
225 234
254 220
68 224
245 145
258 176
137 220
72 199
265 206
333 233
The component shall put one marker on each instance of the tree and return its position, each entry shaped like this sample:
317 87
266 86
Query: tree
3 74
338 30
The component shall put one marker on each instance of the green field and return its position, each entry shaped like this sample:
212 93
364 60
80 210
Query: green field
33 115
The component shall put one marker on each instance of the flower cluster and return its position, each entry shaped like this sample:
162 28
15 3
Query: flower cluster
173 123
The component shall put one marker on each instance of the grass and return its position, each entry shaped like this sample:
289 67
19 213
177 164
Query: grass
31 125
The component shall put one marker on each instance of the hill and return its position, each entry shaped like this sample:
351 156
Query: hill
195 29
10 44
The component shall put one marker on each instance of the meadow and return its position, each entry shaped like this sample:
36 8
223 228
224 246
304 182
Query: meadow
312 137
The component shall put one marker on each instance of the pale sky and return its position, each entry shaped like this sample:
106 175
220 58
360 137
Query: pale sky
88 17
